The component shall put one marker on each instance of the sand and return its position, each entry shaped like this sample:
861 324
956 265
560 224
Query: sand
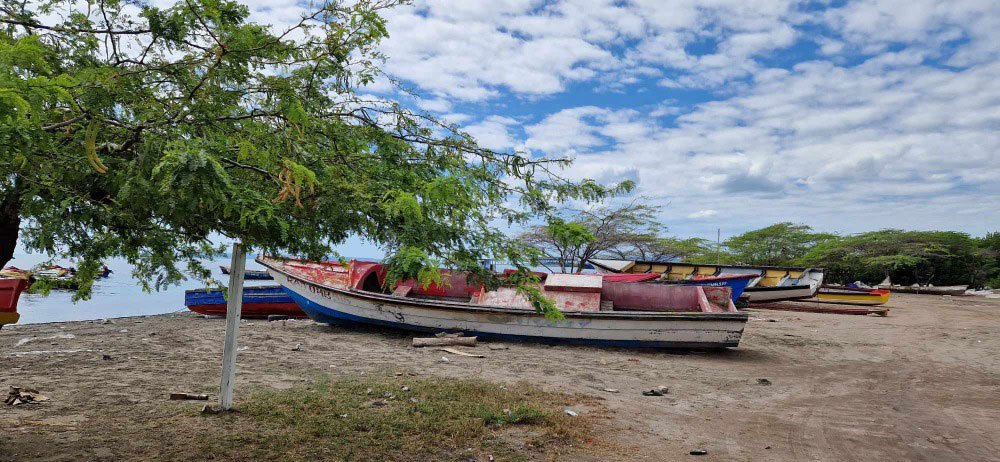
920 384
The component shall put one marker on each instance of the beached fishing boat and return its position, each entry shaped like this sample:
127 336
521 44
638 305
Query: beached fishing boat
258 302
769 283
10 292
250 275
851 295
596 312
737 283
926 290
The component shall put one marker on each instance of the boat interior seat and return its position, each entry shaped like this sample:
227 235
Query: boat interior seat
772 278
680 273
705 271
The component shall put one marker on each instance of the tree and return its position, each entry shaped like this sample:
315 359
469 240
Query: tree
907 257
565 242
629 231
142 132
776 245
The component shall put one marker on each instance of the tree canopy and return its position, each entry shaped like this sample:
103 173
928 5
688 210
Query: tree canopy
776 245
142 132
628 231
907 257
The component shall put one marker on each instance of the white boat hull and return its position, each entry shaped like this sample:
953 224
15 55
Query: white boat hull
631 329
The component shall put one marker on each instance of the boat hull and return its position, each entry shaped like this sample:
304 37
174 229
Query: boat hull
258 302
627 329
852 296
10 293
773 294
736 284
924 290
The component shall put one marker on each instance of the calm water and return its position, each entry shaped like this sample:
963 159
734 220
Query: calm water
117 296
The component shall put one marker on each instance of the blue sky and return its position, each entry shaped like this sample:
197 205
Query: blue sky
848 116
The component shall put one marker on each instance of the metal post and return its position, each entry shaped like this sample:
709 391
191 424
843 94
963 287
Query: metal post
234 307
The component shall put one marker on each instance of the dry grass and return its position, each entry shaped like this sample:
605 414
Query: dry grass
371 419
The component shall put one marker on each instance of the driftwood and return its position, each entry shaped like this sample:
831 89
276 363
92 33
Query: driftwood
461 353
191 396
444 341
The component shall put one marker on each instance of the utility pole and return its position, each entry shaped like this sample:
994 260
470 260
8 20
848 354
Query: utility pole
234 306
718 246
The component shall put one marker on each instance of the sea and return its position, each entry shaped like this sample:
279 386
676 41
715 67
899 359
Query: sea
120 295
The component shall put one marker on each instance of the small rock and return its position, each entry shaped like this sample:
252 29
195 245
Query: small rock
413 400
764 382
571 413
107 321
298 347
369 391
137 321
445 359
379 403
698 452
123 331
343 416
658 391
767 447
107 357
611 390
405 388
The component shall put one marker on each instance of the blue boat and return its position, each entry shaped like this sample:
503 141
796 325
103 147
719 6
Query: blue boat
259 301
736 282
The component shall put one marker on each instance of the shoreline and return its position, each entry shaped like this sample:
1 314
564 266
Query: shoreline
836 387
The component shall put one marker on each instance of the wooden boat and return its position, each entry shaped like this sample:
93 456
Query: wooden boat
596 312
737 283
10 292
811 306
927 290
770 283
258 302
13 272
250 275
851 295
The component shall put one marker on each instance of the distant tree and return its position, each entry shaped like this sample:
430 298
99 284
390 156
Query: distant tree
562 241
140 131
775 245
629 231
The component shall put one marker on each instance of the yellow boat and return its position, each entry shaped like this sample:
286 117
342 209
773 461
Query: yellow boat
852 295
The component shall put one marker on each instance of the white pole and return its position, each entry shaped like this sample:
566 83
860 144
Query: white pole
234 307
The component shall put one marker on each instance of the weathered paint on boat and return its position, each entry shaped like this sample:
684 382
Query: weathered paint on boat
325 300
771 283
852 295
736 283
10 292
257 302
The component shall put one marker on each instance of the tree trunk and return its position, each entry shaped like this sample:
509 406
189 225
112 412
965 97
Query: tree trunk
10 223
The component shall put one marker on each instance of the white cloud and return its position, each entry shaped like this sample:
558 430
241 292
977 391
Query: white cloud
707 213
493 132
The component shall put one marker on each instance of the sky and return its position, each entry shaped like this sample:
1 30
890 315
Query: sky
847 116
729 114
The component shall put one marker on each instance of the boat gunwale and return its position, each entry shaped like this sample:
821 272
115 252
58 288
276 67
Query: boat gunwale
644 262
458 306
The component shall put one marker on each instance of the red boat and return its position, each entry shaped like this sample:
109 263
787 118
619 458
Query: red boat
10 291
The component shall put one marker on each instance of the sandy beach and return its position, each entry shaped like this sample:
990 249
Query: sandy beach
920 384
